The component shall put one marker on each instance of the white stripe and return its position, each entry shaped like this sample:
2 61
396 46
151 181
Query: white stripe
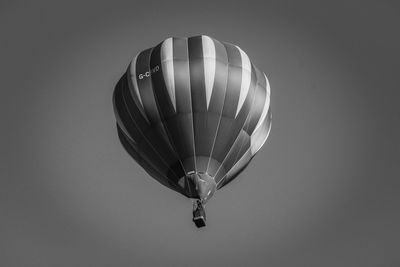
259 137
133 78
209 65
246 79
168 68
266 105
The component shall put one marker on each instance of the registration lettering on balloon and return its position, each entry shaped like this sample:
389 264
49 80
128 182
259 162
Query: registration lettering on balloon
148 73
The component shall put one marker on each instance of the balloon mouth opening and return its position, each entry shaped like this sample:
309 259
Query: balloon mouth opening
202 186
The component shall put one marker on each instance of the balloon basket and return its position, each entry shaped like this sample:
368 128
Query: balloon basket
199 214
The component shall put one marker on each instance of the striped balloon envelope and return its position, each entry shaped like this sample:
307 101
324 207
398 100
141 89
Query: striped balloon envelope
193 112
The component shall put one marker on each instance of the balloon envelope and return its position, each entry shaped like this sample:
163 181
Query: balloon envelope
193 112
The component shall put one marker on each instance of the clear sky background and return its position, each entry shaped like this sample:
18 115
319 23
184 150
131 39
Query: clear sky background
323 191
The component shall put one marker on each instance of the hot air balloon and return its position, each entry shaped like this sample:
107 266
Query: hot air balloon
193 112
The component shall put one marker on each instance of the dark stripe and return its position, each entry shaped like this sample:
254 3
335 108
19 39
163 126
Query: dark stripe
182 76
179 124
167 113
148 165
133 108
221 79
204 123
242 139
244 156
145 86
217 100
143 146
164 154
230 127
259 102
231 156
247 104
197 80
123 114
163 100
234 81
156 134
130 76
237 169
253 115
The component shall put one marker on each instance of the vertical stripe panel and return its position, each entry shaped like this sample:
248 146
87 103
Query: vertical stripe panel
266 104
167 65
199 102
217 100
209 62
181 124
258 103
246 78
260 135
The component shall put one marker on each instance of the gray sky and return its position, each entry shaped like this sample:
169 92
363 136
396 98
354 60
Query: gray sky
323 191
